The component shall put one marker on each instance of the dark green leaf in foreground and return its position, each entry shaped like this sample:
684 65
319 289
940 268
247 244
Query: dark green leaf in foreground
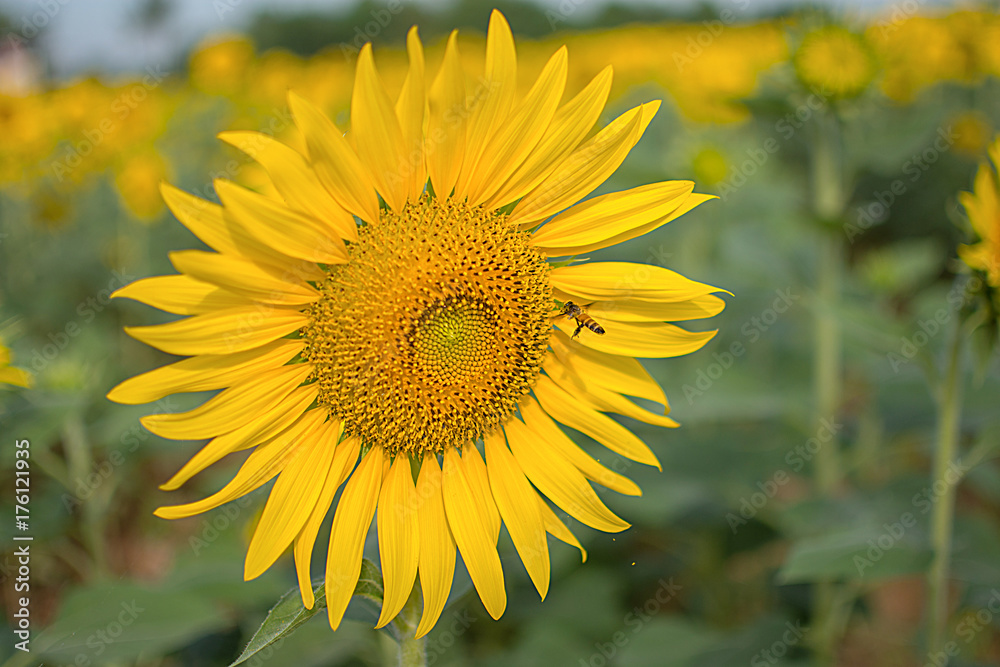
290 613
117 623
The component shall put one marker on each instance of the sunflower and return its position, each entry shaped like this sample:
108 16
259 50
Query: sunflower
397 302
835 61
10 374
983 208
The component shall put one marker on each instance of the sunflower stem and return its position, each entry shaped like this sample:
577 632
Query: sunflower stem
412 650
828 206
949 400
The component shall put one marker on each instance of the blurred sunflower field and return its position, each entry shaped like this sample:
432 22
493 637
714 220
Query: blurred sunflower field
832 496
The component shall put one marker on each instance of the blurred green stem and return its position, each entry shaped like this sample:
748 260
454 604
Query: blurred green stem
826 171
949 415
79 462
412 651
827 361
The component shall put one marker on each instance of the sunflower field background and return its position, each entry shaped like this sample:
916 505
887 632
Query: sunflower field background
833 494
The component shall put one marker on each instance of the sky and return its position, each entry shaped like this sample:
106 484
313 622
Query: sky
88 35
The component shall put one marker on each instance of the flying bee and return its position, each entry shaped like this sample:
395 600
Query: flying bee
570 309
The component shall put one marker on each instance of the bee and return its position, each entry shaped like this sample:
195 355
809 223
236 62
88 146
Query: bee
570 309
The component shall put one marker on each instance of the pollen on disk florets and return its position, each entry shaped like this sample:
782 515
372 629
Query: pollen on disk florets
433 330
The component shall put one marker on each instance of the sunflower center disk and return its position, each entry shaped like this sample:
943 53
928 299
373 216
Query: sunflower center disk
435 328
452 341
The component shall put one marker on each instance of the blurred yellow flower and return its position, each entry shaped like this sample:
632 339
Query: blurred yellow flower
972 131
9 374
916 53
26 128
138 181
219 65
835 62
983 207
710 166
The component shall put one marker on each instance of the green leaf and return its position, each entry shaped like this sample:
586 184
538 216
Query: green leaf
367 605
286 616
858 555
118 623
282 620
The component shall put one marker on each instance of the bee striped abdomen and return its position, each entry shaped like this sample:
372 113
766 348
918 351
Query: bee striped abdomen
570 309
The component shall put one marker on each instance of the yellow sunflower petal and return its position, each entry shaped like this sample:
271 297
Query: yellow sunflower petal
223 332
204 372
555 527
595 281
209 223
398 537
291 502
984 205
338 167
570 125
295 181
565 409
411 109
267 424
475 472
437 546
586 168
690 203
494 98
344 457
518 504
559 480
469 521
624 375
243 277
347 536
294 234
230 408
604 217
264 463
550 433
377 133
181 295
598 397
447 120
633 310
643 339
515 139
